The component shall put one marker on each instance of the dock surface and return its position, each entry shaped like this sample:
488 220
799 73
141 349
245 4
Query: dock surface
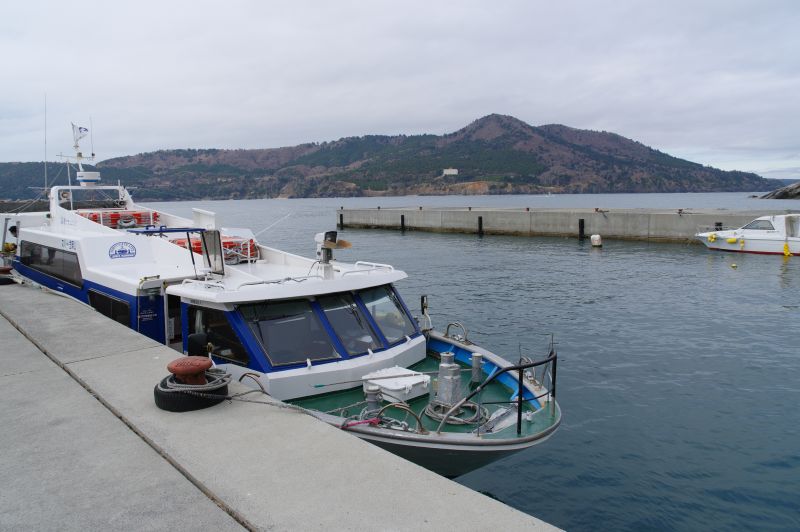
631 224
85 448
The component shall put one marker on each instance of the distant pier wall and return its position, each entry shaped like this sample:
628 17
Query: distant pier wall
631 224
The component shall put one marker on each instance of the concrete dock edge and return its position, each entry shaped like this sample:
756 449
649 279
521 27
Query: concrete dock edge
86 448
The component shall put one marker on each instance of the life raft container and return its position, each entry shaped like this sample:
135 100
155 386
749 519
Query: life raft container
121 219
235 249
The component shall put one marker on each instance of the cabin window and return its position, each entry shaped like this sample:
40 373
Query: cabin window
219 333
388 313
760 225
54 262
793 226
116 309
289 331
351 326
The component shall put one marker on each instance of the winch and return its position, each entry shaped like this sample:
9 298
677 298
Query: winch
450 393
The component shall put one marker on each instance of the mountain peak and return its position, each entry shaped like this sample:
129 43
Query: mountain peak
491 127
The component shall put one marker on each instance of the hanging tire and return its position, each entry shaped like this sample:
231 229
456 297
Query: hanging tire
185 402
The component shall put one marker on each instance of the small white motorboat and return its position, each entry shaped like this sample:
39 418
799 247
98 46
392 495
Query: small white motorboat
771 235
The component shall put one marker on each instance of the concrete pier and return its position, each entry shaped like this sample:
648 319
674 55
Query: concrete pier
84 446
631 224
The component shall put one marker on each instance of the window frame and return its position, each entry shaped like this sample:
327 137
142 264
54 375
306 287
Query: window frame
113 300
191 319
26 252
748 228
314 310
377 337
399 304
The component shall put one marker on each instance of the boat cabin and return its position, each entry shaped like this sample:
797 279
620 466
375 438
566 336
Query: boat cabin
781 225
366 327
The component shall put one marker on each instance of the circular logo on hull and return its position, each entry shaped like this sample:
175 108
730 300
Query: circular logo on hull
122 250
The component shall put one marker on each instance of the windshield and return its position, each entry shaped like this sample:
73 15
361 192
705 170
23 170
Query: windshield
760 225
388 313
349 323
289 332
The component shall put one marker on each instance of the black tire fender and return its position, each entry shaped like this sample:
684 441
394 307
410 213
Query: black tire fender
186 402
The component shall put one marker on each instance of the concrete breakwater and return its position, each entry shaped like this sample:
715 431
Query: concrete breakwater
632 224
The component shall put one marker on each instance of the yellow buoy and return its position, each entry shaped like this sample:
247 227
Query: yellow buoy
731 240
786 252
712 237
733 266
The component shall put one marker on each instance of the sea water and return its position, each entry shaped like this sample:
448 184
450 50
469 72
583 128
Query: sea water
679 368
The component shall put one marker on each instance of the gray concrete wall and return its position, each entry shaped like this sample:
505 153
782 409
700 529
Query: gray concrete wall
634 224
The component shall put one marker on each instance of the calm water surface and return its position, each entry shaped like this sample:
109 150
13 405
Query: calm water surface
679 368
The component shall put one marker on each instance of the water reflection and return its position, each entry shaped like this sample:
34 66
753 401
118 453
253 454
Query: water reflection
677 370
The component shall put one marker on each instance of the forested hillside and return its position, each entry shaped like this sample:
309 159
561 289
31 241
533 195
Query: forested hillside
494 155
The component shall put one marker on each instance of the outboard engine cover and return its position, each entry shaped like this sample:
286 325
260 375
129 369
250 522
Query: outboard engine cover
449 391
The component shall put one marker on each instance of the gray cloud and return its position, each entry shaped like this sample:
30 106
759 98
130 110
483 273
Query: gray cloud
716 82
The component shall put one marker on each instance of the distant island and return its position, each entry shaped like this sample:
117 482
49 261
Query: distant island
495 154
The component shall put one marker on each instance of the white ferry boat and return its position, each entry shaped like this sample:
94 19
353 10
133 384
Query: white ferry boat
334 339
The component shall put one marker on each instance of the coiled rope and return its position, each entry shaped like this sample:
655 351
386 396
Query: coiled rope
438 411
217 378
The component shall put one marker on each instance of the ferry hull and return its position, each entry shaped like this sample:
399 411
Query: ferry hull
451 460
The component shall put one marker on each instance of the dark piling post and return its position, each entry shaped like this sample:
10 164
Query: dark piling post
480 225
581 229
341 221
403 222
554 370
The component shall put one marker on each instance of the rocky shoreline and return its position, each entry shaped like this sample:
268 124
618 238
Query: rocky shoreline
788 192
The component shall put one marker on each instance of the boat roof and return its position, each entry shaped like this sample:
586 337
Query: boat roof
262 281
155 257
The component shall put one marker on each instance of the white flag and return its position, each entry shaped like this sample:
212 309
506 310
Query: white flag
78 132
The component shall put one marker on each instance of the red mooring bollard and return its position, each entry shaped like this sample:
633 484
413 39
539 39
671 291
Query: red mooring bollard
190 370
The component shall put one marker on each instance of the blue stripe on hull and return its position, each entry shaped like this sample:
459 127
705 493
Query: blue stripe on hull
151 324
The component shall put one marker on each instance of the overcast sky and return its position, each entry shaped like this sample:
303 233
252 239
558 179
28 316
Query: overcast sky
716 82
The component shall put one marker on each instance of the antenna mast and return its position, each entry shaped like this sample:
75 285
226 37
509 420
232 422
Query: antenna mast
85 179
91 136
45 143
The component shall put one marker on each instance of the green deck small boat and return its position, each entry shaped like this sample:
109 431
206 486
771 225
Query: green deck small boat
456 410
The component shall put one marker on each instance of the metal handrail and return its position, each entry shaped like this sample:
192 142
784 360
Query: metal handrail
277 281
371 267
375 265
455 324
552 357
